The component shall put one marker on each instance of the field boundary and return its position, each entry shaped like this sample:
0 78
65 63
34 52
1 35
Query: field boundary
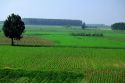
67 46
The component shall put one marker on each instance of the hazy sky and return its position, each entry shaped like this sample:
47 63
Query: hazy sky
90 11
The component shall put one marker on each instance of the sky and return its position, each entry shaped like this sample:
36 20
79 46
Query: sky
89 11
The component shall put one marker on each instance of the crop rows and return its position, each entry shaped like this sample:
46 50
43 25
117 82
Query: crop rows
22 76
107 76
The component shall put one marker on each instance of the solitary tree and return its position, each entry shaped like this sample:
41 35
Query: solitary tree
13 27
83 25
118 26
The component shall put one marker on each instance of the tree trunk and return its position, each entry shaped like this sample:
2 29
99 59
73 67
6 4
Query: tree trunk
12 42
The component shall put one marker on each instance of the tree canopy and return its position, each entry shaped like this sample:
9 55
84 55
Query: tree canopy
118 26
83 25
13 27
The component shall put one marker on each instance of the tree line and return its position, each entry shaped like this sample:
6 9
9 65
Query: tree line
115 26
60 22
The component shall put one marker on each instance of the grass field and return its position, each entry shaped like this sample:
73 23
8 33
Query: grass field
70 59
60 35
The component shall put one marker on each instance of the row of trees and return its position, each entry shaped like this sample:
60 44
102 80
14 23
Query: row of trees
88 34
58 22
115 26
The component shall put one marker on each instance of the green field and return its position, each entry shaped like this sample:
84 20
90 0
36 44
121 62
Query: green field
50 54
60 35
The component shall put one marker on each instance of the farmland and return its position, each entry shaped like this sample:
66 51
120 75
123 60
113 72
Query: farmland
50 54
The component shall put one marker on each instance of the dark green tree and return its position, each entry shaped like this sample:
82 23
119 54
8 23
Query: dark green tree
13 27
83 25
118 26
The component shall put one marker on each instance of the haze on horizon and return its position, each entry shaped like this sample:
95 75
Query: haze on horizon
89 11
